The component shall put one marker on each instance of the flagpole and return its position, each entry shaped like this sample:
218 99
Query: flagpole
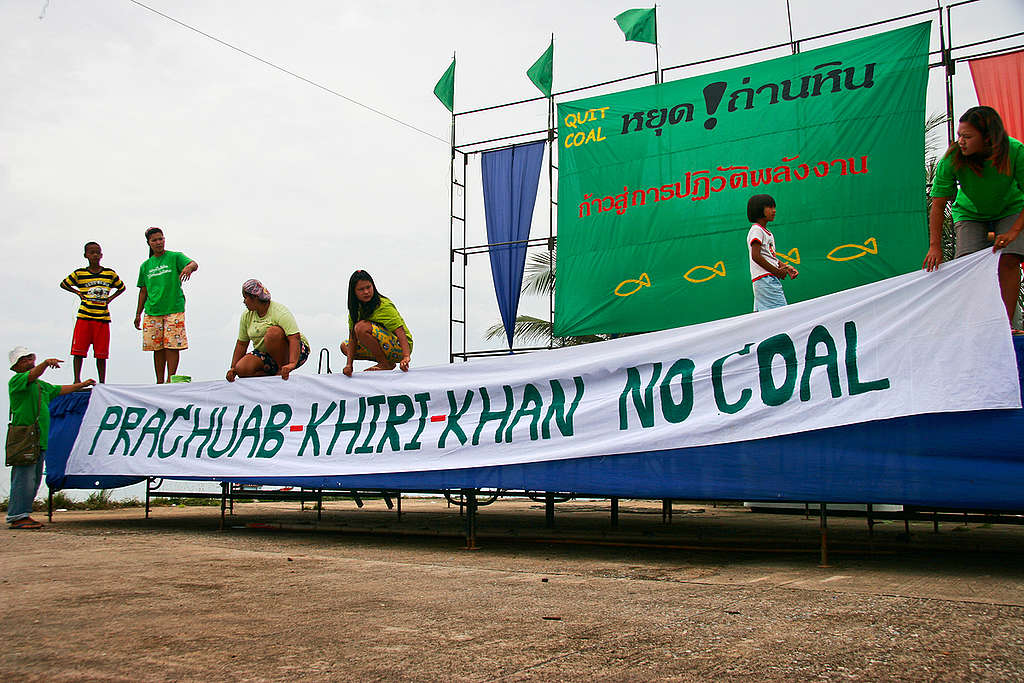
453 126
789 18
657 56
551 196
451 239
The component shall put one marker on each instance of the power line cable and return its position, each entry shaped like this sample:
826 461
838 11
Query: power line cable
286 71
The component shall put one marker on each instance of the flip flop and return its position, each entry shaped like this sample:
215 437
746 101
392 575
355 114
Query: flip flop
26 523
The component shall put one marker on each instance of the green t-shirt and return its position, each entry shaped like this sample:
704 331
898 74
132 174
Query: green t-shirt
24 399
388 316
253 328
161 276
987 197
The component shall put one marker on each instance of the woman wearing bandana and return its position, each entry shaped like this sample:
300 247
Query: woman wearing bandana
278 347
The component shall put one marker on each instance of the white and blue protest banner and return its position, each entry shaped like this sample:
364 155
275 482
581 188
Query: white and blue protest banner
916 343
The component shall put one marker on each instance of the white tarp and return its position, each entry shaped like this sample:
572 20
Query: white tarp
917 343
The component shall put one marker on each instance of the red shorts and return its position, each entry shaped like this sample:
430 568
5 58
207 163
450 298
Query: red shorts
91 333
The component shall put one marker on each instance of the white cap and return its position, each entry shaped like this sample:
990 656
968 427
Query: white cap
16 354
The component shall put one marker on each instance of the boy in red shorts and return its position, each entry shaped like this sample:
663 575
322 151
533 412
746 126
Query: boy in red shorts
93 285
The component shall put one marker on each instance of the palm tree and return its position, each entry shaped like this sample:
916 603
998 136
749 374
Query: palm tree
539 280
934 148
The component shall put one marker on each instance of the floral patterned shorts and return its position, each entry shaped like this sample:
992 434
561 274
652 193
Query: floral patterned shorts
388 343
161 332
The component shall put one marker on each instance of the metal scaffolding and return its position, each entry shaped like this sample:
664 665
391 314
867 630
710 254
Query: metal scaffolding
945 59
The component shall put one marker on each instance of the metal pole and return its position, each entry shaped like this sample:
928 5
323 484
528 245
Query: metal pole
465 258
469 496
823 526
549 510
551 212
223 502
320 361
948 68
615 513
657 55
789 18
451 245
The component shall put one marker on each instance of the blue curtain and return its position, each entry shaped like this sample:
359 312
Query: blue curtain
510 179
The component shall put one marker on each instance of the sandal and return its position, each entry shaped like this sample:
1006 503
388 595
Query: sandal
26 523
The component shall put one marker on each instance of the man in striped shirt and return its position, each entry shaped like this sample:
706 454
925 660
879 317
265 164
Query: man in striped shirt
93 286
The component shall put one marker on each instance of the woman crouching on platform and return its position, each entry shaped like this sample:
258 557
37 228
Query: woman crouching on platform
278 347
376 330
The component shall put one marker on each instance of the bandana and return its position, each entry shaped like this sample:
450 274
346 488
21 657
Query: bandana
256 289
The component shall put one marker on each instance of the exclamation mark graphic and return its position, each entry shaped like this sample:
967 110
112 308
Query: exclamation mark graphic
712 98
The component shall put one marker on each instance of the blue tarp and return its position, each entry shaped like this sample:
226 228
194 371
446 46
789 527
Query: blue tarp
955 460
65 419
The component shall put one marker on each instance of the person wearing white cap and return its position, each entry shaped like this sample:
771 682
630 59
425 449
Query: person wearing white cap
30 400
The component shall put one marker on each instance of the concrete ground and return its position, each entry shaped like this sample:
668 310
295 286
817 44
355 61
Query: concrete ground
718 594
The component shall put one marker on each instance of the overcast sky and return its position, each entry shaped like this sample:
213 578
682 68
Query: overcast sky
114 119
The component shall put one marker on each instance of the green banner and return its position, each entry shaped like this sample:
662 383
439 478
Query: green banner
654 182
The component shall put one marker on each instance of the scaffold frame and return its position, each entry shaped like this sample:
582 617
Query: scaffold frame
945 59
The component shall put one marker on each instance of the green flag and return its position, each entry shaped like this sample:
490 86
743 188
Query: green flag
445 88
639 25
540 72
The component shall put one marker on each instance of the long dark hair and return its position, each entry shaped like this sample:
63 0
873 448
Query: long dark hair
357 310
152 231
997 143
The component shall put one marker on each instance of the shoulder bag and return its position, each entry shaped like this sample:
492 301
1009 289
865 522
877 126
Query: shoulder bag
23 440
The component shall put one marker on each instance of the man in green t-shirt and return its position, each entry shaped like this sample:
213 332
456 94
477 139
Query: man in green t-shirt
162 298
30 397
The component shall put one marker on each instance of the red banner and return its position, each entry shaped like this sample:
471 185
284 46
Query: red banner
1000 84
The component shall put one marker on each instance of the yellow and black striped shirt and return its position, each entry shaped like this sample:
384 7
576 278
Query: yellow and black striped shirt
96 288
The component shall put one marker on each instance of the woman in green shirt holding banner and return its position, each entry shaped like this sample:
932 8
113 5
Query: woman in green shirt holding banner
983 172
278 347
376 330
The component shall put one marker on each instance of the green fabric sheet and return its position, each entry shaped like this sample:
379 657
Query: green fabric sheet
654 182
